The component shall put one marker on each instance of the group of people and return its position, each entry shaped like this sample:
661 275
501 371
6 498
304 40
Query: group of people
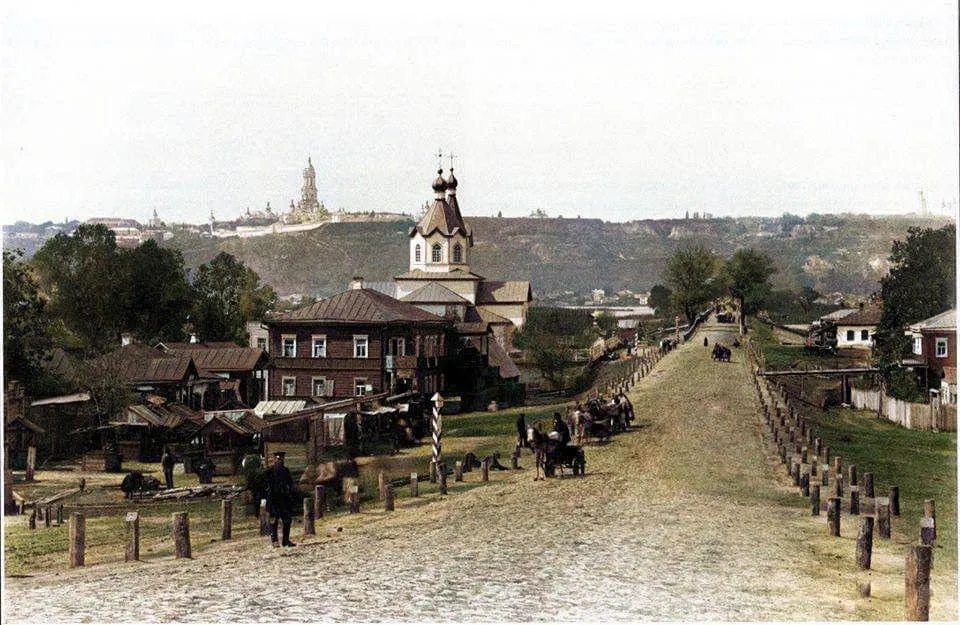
565 428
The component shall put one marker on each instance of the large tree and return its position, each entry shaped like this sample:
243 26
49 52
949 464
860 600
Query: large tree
691 275
659 300
82 275
747 278
921 283
227 294
158 296
26 325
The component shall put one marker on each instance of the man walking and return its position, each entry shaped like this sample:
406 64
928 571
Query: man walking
280 495
167 461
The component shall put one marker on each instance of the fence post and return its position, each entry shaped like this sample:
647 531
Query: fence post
181 535
484 471
883 517
865 542
319 501
414 485
131 526
815 500
805 484
381 491
926 531
32 521
226 519
833 515
852 474
309 526
895 500
868 485
354 499
47 513
854 500
388 498
443 479
930 512
264 518
78 536
918 582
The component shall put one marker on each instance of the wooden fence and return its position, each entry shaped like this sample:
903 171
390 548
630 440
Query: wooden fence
942 418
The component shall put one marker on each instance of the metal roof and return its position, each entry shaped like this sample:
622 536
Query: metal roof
503 292
946 320
358 305
455 274
279 407
434 293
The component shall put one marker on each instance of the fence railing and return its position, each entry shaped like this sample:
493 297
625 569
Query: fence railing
913 416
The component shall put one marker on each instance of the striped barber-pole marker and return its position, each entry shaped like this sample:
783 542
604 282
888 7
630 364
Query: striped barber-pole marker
437 427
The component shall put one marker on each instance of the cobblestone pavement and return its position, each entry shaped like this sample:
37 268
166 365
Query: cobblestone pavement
676 520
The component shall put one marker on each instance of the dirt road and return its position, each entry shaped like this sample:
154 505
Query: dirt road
682 519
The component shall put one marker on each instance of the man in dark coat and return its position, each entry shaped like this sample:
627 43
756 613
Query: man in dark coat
521 432
167 461
280 496
561 428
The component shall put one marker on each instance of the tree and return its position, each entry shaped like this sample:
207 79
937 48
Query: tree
691 275
551 336
921 283
227 294
606 324
26 326
158 296
746 276
659 300
82 276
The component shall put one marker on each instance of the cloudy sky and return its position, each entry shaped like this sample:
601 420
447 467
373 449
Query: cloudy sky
591 108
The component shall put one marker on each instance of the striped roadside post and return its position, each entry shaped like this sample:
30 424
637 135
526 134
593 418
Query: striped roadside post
437 427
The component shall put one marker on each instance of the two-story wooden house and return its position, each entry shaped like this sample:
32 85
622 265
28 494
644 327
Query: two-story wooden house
354 343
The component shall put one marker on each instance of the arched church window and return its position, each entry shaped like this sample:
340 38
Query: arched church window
416 253
436 253
457 253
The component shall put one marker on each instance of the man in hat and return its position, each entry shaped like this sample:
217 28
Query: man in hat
280 496
167 462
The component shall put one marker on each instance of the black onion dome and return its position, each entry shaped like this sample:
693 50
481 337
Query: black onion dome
439 184
452 181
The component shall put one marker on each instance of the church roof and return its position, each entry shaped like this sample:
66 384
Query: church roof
433 293
358 305
498 357
442 217
488 316
503 292
420 274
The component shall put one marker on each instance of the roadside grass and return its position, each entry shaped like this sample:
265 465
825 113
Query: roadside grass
922 463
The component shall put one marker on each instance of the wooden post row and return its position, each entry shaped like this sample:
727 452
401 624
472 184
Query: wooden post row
917 582
131 525
181 535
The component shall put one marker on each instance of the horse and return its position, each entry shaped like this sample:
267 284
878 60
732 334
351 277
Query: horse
721 352
598 421
137 482
550 455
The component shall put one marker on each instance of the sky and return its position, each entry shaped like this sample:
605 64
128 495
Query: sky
591 109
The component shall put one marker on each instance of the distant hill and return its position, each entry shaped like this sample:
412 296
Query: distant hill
846 253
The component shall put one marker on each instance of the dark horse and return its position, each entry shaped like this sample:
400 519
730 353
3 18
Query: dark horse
550 455
599 421
721 352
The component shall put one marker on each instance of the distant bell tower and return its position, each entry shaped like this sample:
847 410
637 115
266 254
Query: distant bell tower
308 194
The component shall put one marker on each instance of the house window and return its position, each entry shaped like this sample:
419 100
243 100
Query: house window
289 346
262 343
318 387
864 335
850 335
319 346
942 347
289 386
436 253
360 346
397 346
416 253
457 253
918 345
360 387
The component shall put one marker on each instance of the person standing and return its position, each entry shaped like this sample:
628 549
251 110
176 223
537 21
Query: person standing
280 495
521 432
167 461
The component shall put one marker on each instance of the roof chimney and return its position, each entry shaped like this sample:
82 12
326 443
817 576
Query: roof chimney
356 283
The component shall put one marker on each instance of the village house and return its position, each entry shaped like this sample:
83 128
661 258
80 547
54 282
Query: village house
856 330
241 371
352 344
935 352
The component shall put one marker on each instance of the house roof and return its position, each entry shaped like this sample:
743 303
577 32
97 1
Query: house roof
387 288
503 292
358 305
946 320
484 314
279 407
433 293
869 315
243 420
140 364
838 314
223 357
475 327
455 274
498 357
168 416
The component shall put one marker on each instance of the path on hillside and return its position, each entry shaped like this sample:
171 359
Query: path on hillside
676 520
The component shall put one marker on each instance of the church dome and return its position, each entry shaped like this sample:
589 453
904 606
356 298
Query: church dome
452 181
439 184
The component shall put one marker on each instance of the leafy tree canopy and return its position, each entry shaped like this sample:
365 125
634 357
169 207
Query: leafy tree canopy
691 274
747 277
659 300
227 294
26 326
